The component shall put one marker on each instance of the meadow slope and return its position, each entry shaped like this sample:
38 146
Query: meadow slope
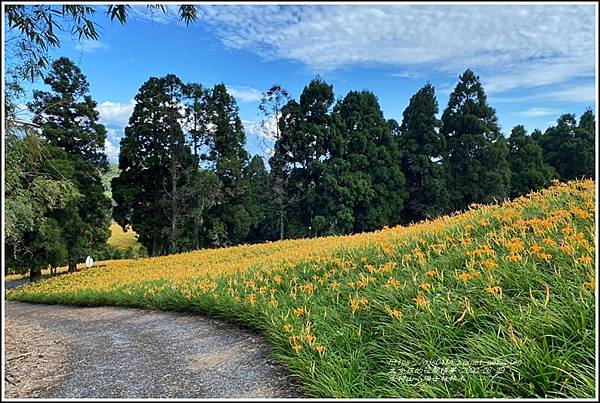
498 301
124 241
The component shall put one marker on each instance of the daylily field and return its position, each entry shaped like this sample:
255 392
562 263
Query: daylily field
498 301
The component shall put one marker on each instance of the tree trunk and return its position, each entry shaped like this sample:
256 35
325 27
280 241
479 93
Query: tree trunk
174 211
196 239
197 234
279 200
195 136
72 266
35 274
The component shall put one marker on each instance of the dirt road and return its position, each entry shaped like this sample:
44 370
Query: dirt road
109 352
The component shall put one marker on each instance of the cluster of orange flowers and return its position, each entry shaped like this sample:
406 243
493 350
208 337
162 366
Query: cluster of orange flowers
284 278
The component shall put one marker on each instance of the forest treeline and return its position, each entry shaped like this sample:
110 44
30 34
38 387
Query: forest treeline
186 180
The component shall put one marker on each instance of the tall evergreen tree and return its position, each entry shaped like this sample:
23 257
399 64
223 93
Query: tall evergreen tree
362 187
231 221
67 114
196 112
69 121
423 147
476 163
389 183
201 191
152 160
569 147
271 105
262 203
587 130
304 140
528 170
316 101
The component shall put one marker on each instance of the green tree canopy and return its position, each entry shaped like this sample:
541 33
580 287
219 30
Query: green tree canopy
569 147
476 156
67 114
362 186
261 206
38 181
528 170
231 220
153 158
305 132
423 146
69 121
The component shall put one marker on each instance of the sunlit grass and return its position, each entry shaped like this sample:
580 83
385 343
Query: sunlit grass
495 302
124 240
45 272
119 239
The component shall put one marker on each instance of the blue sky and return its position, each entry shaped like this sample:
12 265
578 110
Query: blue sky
535 61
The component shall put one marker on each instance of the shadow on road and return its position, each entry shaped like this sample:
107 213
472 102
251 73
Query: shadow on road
23 281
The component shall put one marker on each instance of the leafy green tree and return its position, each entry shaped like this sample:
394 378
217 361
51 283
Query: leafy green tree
587 134
389 183
48 248
261 202
271 105
113 171
476 158
38 181
362 187
34 188
423 146
528 170
196 112
67 114
68 120
201 191
311 140
231 220
304 129
569 147
153 158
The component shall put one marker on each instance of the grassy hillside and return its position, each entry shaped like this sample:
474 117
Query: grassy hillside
124 241
495 302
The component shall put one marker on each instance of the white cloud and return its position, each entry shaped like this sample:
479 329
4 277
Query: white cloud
115 113
263 130
252 128
269 127
578 93
111 150
407 74
537 112
111 145
90 45
514 46
537 75
170 15
244 93
264 139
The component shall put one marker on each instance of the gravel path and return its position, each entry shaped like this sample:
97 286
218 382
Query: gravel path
15 283
110 352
